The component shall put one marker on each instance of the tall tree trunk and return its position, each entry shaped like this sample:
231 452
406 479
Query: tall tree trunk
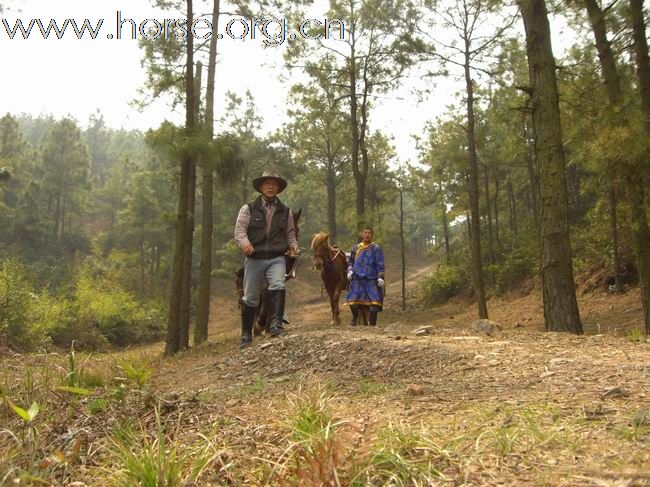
445 226
142 262
613 220
614 96
363 129
560 304
533 178
152 270
512 210
401 239
637 184
641 58
186 297
359 177
477 264
488 210
496 210
331 205
207 217
173 341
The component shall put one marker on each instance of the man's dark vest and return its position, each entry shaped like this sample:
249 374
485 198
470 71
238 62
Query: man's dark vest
276 244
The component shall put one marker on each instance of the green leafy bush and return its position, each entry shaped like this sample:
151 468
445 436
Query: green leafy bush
521 263
25 317
115 312
447 280
228 260
96 312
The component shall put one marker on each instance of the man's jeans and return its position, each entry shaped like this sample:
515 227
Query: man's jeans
256 271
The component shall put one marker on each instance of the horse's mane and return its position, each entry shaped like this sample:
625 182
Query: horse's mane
319 239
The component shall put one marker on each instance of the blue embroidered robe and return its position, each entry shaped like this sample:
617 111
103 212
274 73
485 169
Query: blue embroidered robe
367 264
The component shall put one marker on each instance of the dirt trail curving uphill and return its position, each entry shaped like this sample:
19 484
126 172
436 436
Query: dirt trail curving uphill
517 407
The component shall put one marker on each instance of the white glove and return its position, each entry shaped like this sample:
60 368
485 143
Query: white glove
349 275
380 282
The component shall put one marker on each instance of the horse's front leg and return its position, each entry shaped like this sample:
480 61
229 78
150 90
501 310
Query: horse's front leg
336 313
330 294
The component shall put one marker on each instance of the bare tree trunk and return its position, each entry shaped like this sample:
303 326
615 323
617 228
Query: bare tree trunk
364 153
445 226
637 184
331 205
401 237
186 297
477 264
354 125
207 217
614 96
534 186
488 210
359 176
173 341
142 262
512 209
496 210
614 229
560 304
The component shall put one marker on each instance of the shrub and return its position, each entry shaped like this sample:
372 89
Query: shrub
519 264
228 260
24 316
115 312
447 280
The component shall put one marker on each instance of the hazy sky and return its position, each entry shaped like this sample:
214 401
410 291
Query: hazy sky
77 77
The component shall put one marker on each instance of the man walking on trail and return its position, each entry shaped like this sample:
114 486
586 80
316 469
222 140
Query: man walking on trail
264 232
366 276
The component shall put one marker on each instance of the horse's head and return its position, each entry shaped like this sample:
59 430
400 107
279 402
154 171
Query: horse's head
320 247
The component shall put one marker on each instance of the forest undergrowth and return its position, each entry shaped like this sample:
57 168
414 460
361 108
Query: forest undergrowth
422 399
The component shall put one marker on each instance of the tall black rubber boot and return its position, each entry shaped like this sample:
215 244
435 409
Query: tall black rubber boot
247 320
276 308
372 320
355 315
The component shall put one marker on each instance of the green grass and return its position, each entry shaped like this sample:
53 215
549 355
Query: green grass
257 386
369 387
400 456
311 420
139 373
151 460
636 335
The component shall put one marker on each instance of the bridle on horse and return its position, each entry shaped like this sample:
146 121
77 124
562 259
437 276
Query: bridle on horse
329 257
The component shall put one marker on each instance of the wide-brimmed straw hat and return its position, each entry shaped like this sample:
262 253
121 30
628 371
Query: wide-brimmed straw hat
270 174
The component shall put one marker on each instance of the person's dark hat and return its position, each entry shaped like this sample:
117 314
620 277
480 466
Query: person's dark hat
270 174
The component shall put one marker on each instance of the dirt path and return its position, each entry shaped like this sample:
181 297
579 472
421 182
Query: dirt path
341 405
520 407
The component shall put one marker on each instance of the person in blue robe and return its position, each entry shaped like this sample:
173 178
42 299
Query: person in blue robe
366 276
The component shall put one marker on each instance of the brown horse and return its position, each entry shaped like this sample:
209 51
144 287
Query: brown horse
262 312
333 266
